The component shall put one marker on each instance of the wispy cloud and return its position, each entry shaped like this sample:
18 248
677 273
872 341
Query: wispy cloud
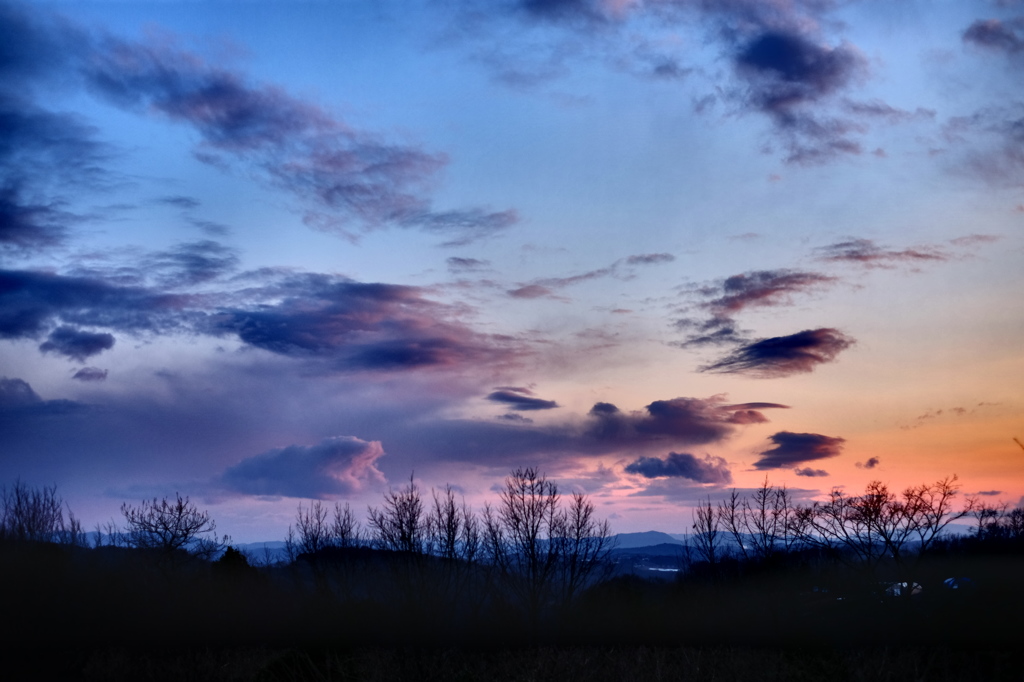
867 253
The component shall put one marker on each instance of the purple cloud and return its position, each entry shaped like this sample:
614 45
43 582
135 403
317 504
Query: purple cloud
791 449
710 469
1001 36
459 265
762 288
781 356
90 374
871 463
808 471
342 174
336 466
355 326
76 344
193 263
867 253
31 301
520 399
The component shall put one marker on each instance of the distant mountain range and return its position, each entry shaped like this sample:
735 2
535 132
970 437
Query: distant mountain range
652 543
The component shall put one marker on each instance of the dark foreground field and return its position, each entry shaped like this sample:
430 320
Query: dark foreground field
529 664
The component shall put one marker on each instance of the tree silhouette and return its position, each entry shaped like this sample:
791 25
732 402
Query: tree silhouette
170 525
37 515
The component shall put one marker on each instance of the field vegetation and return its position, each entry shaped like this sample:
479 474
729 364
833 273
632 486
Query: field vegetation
528 588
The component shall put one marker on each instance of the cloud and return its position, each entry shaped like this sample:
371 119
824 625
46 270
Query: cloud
710 469
682 420
519 399
463 226
546 286
356 326
650 259
792 449
531 291
993 34
44 158
192 263
76 344
871 463
19 403
761 288
31 301
341 174
458 265
724 299
340 465
782 356
179 201
17 393
90 374
808 471
867 253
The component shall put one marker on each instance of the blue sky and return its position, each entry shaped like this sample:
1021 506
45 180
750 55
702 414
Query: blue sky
264 252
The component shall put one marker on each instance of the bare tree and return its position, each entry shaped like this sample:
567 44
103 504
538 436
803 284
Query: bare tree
170 525
346 531
541 552
583 544
312 531
37 515
452 528
880 523
706 536
400 524
760 523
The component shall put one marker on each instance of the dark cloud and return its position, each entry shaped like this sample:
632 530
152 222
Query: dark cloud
17 393
870 464
792 449
90 374
650 259
869 254
19 402
31 301
808 471
178 201
1002 36
515 418
76 344
782 356
681 420
336 466
710 469
457 265
520 399
989 493
355 326
44 157
192 263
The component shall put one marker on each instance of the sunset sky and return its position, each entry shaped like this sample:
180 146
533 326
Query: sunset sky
265 252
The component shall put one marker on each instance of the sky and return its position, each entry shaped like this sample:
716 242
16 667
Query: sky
261 253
